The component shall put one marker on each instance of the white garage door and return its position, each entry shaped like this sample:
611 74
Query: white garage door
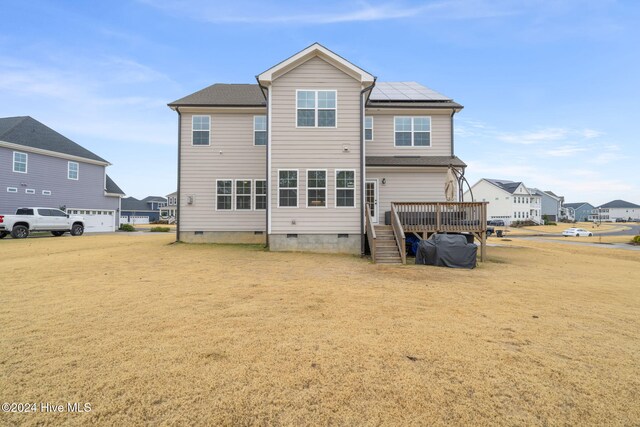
96 221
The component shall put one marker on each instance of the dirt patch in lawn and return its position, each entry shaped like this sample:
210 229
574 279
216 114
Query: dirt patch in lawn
150 332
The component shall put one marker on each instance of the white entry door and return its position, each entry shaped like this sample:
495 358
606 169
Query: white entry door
371 195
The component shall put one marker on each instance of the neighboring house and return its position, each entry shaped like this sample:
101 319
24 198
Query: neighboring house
170 211
509 201
615 210
293 160
550 204
581 210
40 167
145 210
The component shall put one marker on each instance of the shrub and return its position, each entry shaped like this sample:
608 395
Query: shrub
161 221
636 240
127 227
551 223
160 229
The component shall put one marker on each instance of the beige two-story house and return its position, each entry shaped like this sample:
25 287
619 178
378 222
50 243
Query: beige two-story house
292 160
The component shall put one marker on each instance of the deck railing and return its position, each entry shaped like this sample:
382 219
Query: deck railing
371 233
442 216
398 233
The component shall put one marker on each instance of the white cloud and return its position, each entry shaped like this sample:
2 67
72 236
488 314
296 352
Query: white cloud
565 151
534 137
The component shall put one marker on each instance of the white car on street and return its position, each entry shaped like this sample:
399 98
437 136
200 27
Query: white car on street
577 232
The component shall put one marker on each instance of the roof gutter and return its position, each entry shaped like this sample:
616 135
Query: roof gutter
178 221
363 166
264 91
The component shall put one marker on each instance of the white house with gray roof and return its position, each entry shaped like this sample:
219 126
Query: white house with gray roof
40 167
616 210
509 201
293 160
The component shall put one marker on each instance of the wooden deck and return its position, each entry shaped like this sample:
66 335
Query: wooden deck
432 217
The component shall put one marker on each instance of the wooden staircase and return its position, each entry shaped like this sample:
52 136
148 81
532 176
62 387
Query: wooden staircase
386 251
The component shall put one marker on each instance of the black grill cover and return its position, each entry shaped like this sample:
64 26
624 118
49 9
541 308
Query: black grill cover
447 250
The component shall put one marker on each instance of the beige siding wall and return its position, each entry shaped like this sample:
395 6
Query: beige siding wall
315 148
231 155
383 143
407 185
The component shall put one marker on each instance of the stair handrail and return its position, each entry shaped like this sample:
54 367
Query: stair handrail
371 232
398 233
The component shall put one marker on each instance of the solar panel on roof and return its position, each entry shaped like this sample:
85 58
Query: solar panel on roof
405 91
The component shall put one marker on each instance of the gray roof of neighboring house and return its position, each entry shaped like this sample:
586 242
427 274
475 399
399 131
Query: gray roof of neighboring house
509 186
576 205
415 161
175 193
414 95
133 204
619 204
154 199
225 95
112 187
31 133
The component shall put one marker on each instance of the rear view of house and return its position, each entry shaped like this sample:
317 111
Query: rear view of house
40 167
294 159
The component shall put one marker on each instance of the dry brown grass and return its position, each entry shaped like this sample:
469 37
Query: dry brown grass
152 333
605 227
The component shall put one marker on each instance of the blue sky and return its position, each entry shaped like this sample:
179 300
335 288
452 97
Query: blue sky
550 88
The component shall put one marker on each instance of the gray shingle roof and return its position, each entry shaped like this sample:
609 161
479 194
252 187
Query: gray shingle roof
133 204
154 199
509 186
415 161
576 205
112 187
221 95
619 204
29 132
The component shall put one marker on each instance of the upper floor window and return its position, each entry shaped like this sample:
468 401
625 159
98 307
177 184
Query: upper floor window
412 131
19 162
346 188
259 130
200 129
288 188
368 128
316 188
316 108
261 194
72 170
243 194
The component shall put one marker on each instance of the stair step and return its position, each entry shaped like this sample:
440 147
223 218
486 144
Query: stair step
398 261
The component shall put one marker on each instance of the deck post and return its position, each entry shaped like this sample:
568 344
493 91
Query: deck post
483 246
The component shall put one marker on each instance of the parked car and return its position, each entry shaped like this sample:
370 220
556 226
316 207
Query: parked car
621 220
496 222
577 232
27 220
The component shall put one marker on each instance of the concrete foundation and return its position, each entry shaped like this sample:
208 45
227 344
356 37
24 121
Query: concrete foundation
323 243
246 237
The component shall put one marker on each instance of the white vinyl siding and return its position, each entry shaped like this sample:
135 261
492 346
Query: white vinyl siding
345 188
201 130
224 194
316 188
412 131
20 161
288 188
243 194
260 130
73 170
316 108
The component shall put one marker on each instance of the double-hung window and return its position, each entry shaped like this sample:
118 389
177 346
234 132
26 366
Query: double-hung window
288 188
259 130
368 128
200 130
345 188
316 188
72 170
224 194
412 131
261 194
243 194
316 108
19 162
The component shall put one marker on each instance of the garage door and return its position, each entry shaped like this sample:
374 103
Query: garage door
96 221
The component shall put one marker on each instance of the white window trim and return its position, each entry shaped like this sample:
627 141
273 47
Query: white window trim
255 194
290 188
208 144
12 189
46 192
265 131
412 132
326 189
26 162
355 186
372 133
315 108
69 171
231 195
235 195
